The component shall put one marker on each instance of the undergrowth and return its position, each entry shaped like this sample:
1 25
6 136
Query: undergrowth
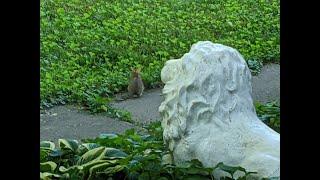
269 113
122 156
133 155
88 47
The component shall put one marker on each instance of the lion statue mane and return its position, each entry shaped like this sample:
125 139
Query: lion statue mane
208 112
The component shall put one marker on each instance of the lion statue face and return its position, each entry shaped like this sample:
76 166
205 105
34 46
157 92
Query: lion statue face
208 112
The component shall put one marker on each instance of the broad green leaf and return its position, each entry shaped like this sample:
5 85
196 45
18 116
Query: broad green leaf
86 167
56 153
47 144
186 164
48 166
44 153
67 170
104 169
198 171
230 169
68 144
136 137
49 176
113 153
108 136
130 132
93 154
113 170
86 147
196 163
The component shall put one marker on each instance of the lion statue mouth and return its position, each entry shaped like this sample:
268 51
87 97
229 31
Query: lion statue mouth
208 112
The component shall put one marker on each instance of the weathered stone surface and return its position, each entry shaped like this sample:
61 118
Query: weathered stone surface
208 112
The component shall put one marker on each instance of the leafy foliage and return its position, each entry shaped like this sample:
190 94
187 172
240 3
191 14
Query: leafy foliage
269 113
255 66
88 47
122 156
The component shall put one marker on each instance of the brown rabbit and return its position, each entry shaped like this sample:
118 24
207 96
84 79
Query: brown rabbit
135 86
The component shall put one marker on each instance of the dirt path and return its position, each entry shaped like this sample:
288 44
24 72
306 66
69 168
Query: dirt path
69 122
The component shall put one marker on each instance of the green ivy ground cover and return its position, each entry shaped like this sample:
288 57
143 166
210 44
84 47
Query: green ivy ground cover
89 46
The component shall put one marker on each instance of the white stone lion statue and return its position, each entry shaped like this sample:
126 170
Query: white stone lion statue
208 112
